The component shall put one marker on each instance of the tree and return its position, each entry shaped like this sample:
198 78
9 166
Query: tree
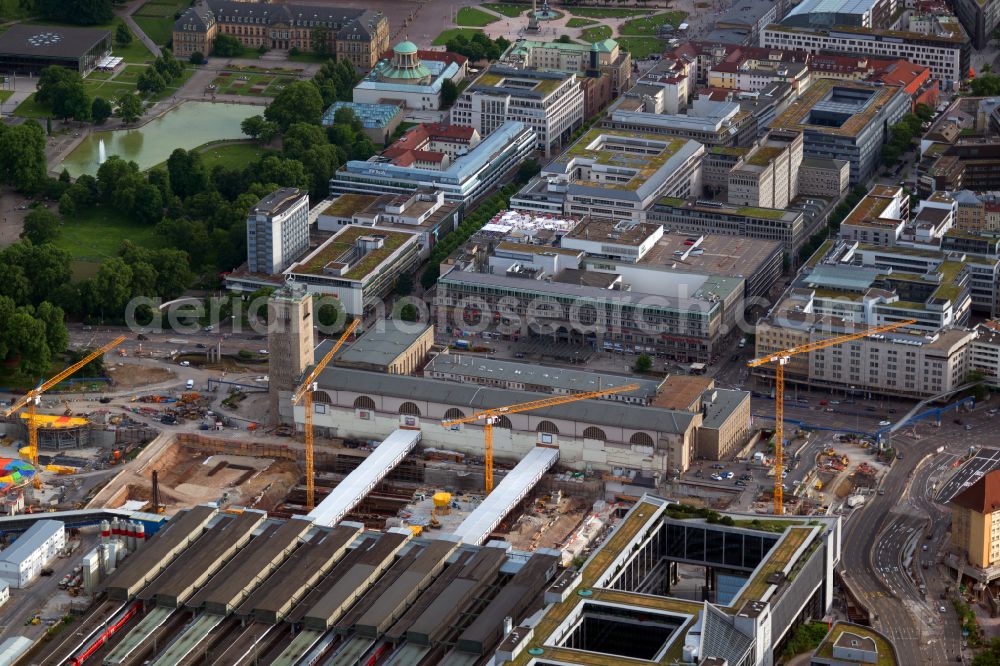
227 46
336 81
259 129
404 285
148 203
14 284
985 85
54 319
150 81
100 110
924 112
528 170
62 90
197 58
449 93
129 108
114 286
41 226
300 137
409 312
123 36
187 172
82 12
298 102
644 363
22 156
564 39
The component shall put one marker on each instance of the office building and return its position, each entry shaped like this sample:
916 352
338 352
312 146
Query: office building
947 56
604 58
821 177
614 173
358 265
23 561
984 352
975 527
358 35
425 212
462 179
979 19
693 216
767 177
830 13
708 122
277 230
28 49
845 120
407 80
550 102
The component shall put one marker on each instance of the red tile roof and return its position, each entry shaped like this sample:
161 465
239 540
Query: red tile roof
983 496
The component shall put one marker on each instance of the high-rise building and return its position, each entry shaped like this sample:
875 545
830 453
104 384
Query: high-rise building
277 230
290 343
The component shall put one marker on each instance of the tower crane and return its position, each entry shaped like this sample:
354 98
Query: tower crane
304 394
780 359
490 417
34 396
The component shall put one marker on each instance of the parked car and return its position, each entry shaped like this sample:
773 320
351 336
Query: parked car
885 423
728 475
185 364
968 426
715 477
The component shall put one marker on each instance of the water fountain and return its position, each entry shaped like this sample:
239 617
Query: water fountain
102 153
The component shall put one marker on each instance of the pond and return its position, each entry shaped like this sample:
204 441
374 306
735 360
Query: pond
186 126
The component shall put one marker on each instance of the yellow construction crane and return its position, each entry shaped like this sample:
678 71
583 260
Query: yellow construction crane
490 416
33 397
304 394
780 359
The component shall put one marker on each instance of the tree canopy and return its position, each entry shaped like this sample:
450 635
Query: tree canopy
82 12
298 102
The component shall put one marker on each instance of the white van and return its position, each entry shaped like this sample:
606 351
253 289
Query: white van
190 384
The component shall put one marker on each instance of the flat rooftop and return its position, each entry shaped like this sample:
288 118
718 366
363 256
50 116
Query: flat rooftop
279 201
868 636
49 41
715 254
343 242
379 345
534 375
723 209
861 103
346 205
520 82
682 391
636 156
606 230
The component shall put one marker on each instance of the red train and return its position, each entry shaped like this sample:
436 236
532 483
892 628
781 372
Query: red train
100 639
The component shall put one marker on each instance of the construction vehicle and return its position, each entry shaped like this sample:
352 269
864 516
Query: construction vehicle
34 396
68 411
304 394
492 416
780 359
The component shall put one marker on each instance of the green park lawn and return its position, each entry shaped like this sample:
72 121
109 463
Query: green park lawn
510 10
95 234
445 35
597 12
5 95
596 34
29 108
474 17
230 154
156 18
641 47
11 10
579 23
650 26
253 84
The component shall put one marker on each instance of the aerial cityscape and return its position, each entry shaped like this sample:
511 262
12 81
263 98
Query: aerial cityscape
530 332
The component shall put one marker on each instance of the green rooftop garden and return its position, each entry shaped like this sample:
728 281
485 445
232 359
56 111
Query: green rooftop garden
728 150
766 213
344 241
644 164
819 253
348 204
672 201
886 655
763 156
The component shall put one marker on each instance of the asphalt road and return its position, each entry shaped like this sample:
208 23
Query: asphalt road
879 538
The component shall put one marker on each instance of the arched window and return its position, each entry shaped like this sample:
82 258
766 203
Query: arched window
322 396
548 426
454 414
642 439
409 409
594 433
503 422
364 402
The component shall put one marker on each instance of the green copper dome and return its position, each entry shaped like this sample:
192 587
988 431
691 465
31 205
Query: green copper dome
405 47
